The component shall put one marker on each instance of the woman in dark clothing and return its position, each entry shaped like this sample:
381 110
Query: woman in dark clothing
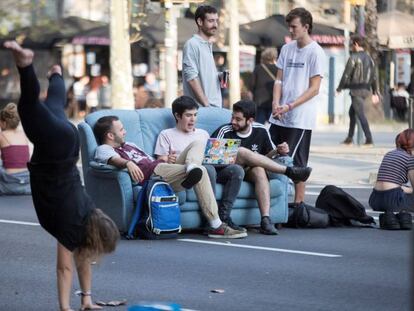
63 208
390 193
261 84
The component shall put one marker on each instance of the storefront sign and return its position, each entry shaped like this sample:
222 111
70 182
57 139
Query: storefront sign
401 42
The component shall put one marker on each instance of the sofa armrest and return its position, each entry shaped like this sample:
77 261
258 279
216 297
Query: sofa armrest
112 190
104 168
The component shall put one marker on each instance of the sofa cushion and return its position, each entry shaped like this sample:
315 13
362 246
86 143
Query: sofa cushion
277 187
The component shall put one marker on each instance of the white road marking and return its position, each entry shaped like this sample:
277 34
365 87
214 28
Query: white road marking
312 193
19 222
271 249
343 187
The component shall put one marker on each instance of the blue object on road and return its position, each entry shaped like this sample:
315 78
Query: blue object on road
155 307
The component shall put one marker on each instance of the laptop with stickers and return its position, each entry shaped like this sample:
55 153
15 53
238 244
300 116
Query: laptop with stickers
221 151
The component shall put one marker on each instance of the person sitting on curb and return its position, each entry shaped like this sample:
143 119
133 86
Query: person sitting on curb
15 153
255 155
390 193
186 173
172 142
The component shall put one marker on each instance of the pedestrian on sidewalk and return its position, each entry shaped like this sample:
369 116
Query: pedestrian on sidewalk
360 77
83 232
294 108
261 84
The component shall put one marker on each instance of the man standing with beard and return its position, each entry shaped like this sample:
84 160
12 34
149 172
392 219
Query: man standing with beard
200 76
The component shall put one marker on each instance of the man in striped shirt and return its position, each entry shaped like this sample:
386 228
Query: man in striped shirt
255 155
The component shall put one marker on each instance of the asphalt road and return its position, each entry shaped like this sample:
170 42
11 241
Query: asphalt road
300 269
320 269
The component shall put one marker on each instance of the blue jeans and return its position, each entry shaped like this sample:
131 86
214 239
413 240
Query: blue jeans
231 176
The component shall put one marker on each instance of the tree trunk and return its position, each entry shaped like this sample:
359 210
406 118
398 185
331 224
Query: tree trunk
223 25
120 58
371 22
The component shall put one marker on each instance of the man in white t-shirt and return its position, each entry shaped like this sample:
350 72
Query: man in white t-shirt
173 141
298 79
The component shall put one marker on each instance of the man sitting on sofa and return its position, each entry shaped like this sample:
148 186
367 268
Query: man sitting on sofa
256 139
168 144
173 141
113 150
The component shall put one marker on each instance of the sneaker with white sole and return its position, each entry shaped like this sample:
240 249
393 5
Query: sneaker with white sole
226 232
234 226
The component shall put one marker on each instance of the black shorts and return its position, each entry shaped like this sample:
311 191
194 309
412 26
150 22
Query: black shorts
298 140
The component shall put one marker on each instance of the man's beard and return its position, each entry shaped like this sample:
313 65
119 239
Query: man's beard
208 32
241 128
119 140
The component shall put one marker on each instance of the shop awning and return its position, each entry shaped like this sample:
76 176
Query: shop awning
396 30
273 31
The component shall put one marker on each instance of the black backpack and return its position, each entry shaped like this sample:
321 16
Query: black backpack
343 209
302 215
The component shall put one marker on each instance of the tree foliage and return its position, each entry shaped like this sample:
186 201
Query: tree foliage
15 14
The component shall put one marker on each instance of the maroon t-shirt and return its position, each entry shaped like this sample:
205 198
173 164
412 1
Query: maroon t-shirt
145 162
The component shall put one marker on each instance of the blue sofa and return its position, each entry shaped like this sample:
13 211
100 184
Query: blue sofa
113 191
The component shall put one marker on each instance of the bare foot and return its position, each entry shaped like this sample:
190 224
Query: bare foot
54 69
23 57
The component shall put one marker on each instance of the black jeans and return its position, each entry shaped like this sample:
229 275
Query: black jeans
263 113
231 176
45 124
357 111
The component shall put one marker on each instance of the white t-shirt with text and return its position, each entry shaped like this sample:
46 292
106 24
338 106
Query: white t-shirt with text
299 65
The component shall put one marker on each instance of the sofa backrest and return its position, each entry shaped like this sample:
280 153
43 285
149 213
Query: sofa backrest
210 119
144 125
